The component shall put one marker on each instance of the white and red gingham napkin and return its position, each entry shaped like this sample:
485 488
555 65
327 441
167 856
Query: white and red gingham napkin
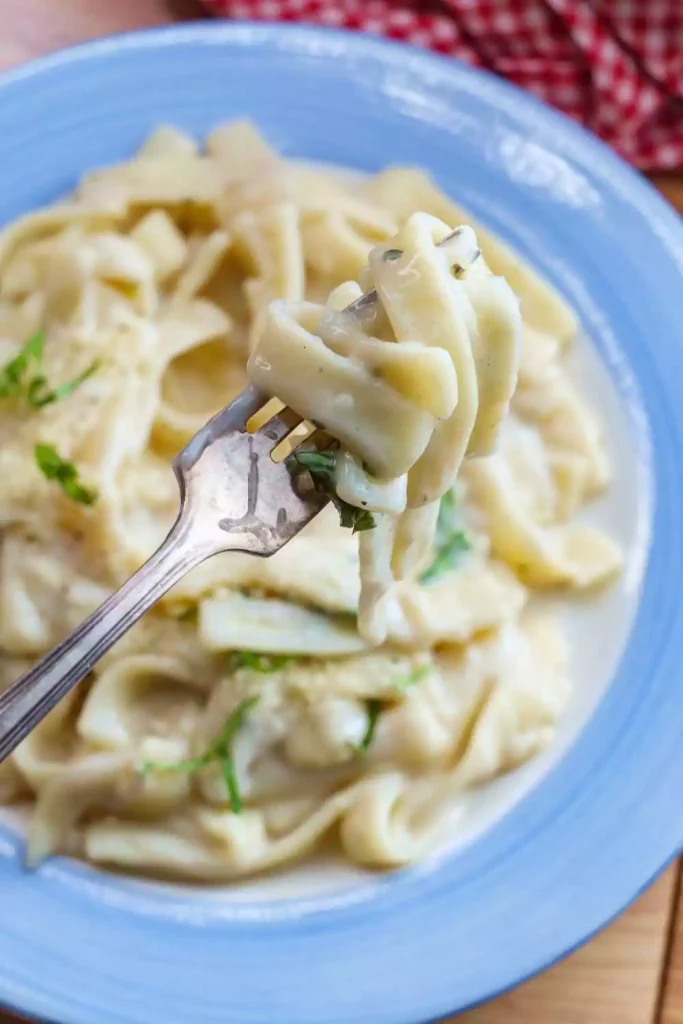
614 65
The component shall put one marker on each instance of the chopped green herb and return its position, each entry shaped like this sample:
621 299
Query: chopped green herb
374 707
446 556
13 373
39 393
36 390
54 467
389 255
356 519
322 467
320 464
374 710
414 677
218 752
258 662
231 784
235 723
451 540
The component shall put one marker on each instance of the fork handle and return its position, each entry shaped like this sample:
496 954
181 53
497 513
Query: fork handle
31 697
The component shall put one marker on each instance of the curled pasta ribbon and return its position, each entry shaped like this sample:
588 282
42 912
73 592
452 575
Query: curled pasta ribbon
93 781
406 405
524 501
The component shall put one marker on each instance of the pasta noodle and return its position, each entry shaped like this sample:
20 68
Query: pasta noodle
407 409
264 701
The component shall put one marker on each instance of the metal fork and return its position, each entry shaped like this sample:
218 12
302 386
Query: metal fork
233 497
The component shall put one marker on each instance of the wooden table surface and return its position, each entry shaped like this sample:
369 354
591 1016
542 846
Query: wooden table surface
633 972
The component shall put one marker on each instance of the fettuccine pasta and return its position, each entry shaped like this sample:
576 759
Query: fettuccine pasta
408 408
265 703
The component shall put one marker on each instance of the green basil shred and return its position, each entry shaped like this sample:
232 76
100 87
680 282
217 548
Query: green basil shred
258 662
54 467
373 707
414 677
218 752
16 381
450 542
12 374
322 466
39 394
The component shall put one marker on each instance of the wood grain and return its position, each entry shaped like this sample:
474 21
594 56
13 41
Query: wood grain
616 978
671 186
672 987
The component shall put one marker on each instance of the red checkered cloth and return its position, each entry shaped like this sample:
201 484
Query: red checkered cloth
614 65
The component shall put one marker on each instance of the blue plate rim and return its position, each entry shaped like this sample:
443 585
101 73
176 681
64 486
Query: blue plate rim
669 229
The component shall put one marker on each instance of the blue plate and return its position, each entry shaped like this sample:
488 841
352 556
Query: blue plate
78 946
